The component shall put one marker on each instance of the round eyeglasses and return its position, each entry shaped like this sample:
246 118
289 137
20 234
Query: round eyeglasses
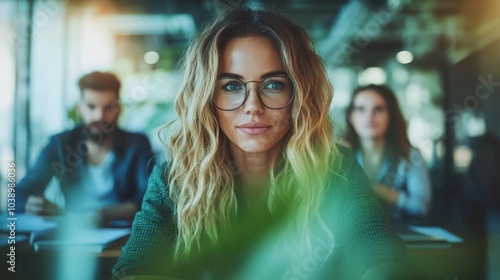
274 92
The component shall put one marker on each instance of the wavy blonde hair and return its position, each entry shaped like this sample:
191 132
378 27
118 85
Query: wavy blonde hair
201 179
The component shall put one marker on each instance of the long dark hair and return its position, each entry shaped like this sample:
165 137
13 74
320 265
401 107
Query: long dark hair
397 143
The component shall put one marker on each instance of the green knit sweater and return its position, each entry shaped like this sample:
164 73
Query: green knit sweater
363 244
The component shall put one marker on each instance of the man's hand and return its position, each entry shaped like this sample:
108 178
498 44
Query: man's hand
38 205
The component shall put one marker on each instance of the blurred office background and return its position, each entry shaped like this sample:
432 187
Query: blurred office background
442 59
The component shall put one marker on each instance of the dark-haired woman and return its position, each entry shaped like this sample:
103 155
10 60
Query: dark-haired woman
376 131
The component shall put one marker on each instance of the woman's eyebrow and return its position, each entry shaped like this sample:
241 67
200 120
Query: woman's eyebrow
263 76
273 73
230 75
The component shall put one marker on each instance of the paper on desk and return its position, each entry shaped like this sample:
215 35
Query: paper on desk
93 236
90 240
27 223
437 232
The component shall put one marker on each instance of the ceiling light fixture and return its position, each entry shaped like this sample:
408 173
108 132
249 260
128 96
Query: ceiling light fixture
404 57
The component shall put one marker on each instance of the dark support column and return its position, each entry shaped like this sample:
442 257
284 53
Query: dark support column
449 140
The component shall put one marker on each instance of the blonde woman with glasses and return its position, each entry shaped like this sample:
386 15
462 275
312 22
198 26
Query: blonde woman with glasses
255 187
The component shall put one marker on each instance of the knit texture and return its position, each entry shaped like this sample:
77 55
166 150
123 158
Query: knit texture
364 244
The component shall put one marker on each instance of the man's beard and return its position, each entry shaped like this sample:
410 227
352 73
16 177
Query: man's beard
99 132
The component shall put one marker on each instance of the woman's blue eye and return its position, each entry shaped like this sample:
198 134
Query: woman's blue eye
232 87
274 86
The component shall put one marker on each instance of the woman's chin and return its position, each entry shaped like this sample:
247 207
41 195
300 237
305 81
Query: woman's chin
372 136
254 148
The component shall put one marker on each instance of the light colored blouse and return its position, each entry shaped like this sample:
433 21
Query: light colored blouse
410 178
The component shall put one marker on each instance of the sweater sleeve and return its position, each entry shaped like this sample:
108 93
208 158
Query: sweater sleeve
149 250
372 249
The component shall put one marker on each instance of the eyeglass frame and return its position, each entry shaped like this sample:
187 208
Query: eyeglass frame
258 93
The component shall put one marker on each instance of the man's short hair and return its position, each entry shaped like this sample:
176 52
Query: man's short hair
100 81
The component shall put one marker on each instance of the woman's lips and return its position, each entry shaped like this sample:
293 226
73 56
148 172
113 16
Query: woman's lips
254 128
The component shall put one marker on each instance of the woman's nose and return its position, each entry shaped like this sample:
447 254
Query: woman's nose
253 105
371 115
